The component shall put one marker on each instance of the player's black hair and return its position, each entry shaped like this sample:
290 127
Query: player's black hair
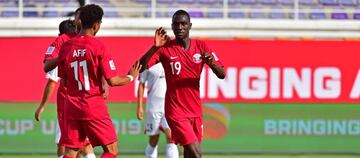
78 9
66 26
90 14
181 12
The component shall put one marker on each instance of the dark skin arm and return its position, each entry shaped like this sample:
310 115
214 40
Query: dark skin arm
218 70
50 64
159 41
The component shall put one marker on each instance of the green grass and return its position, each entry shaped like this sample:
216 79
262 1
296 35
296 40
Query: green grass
243 131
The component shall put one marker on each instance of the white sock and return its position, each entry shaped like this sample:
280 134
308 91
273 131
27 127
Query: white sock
61 156
151 152
90 155
172 151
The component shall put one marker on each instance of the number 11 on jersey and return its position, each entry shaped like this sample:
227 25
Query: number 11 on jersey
85 72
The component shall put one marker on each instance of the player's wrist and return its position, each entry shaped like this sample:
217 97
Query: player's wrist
130 77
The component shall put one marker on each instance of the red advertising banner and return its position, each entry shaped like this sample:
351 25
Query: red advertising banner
257 70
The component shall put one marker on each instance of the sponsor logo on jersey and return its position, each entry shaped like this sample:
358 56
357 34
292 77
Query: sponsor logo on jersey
197 58
173 57
112 65
50 50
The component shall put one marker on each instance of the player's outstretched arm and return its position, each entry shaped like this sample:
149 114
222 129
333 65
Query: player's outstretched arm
160 40
140 94
123 80
50 64
48 90
218 70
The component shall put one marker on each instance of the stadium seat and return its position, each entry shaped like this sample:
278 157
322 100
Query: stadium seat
307 2
257 13
317 14
329 2
7 10
165 1
112 10
101 1
268 2
348 2
286 2
50 12
248 2
277 13
237 15
215 15
30 12
196 14
339 16
185 1
300 16
41 1
69 8
4 1
62 1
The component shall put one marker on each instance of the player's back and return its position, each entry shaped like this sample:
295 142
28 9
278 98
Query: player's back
80 59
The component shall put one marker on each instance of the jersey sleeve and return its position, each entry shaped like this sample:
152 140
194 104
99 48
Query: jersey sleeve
61 64
107 63
216 59
53 50
155 58
53 75
143 76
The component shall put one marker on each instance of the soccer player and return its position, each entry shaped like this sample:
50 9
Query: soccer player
83 61
65 27
183 60
155 118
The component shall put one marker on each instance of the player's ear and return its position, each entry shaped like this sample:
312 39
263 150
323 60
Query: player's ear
190 25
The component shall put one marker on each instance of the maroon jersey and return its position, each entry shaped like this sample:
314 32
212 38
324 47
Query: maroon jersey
53 52
54 48
83 61
182 72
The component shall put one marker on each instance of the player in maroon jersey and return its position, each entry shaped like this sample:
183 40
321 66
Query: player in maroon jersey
183 60
67 30
83 61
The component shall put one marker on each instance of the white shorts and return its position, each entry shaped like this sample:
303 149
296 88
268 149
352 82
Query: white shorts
57 132
154 122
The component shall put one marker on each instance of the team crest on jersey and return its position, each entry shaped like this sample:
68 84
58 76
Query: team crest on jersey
197 58
50 50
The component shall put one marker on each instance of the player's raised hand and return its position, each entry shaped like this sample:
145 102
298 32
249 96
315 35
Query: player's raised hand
38 113
207 57
135 69
160 37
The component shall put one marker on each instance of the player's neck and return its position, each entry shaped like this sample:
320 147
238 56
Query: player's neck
184 43
88 32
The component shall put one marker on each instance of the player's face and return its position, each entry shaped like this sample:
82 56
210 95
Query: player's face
181 26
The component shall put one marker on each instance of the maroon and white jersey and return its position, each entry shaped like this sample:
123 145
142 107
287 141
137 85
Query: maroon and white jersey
54 48
83 61
182 72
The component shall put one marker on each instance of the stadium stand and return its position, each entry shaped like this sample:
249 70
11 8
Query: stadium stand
244 9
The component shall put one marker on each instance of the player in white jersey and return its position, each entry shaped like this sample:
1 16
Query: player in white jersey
154 78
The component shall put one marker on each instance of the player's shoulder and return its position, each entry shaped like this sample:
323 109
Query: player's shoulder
198 42
171 43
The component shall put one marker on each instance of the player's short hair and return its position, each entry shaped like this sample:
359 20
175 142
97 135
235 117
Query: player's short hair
90 14
66 26
77 10
181 12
